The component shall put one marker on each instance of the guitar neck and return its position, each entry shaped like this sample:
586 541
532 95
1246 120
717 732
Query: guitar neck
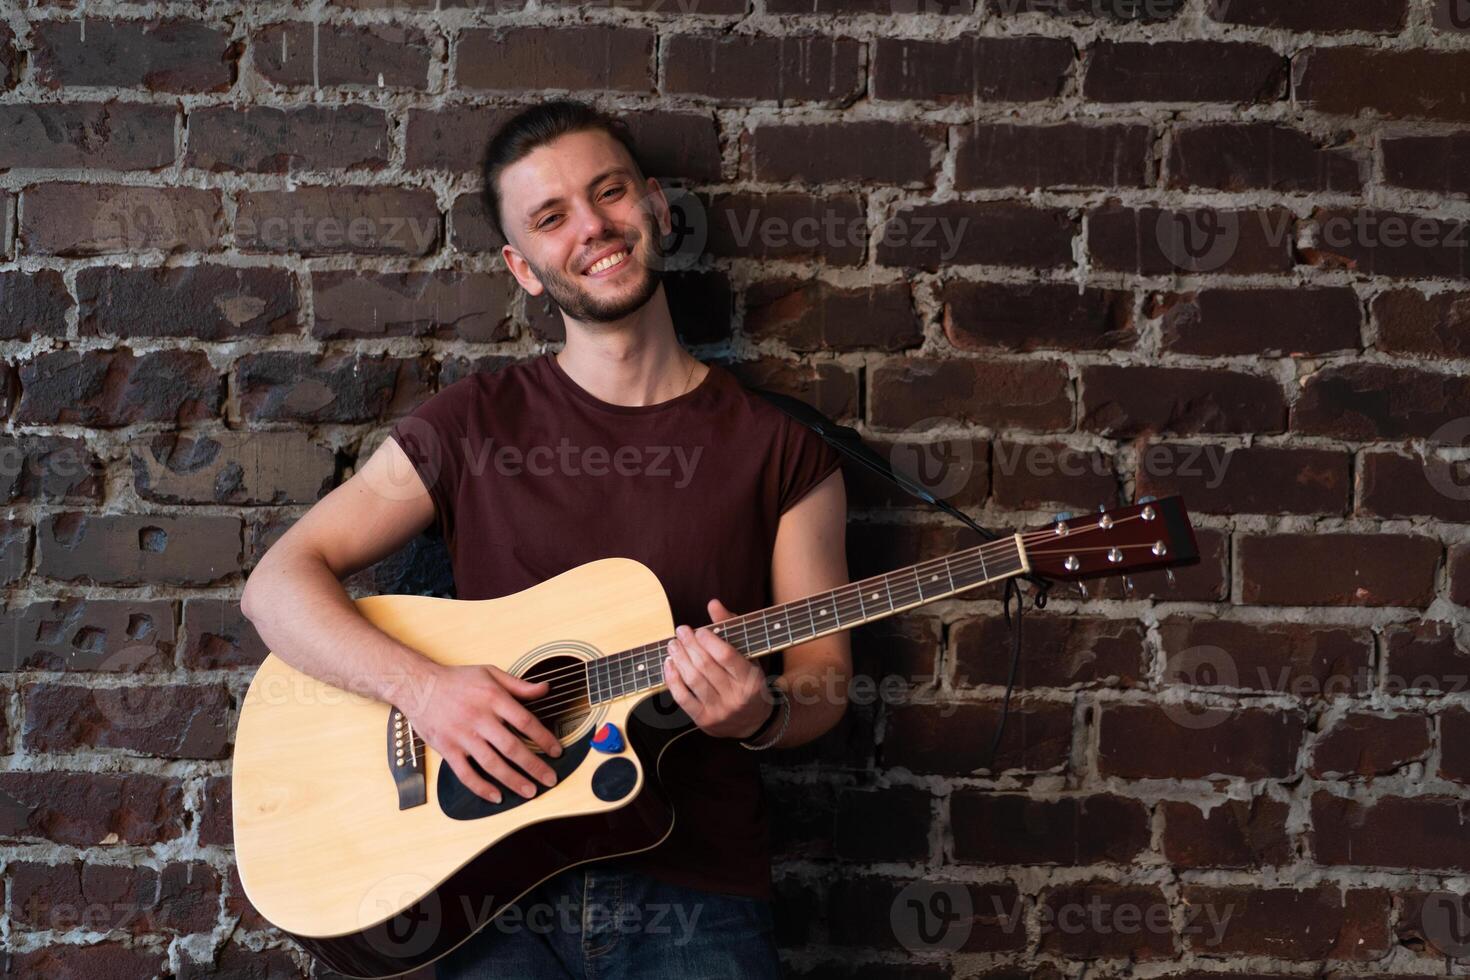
791 623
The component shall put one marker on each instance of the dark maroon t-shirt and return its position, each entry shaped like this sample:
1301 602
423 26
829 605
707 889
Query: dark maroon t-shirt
532 475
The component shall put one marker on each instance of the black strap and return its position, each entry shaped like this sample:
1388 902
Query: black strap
847 441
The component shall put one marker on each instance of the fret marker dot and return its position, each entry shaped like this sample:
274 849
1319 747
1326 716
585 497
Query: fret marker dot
824 612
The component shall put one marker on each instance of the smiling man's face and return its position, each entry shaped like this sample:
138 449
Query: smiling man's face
583 226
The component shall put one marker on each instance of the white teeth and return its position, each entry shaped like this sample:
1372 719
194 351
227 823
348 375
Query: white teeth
607 263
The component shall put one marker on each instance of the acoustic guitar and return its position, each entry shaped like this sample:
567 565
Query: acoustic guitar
359 842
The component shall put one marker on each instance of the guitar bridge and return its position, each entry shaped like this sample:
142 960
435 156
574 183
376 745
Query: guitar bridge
406 761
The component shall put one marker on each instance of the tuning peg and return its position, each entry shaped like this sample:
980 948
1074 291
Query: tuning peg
1102 508
1127 584
1147 498
1169 574
1081 590
1063 515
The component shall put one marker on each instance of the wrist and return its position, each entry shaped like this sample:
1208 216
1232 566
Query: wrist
765 723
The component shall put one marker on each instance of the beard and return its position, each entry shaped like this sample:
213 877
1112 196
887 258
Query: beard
573 297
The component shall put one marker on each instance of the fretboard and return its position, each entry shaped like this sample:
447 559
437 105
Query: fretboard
791 623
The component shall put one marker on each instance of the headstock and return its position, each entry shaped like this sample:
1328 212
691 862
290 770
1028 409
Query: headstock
1141 537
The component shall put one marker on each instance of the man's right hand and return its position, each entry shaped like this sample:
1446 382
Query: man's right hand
476 712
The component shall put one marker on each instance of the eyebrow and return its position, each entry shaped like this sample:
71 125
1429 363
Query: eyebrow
549 202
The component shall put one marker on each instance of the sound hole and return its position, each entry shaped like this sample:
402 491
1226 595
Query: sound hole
565 708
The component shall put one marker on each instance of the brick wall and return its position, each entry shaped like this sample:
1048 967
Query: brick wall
1063 252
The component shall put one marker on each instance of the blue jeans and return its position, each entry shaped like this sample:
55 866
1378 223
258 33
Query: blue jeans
594 923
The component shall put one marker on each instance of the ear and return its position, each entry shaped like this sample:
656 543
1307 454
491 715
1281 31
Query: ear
661 210
521 269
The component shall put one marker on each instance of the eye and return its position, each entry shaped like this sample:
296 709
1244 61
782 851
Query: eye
546 220
612 190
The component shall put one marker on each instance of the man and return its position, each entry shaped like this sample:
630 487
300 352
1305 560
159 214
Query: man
620 444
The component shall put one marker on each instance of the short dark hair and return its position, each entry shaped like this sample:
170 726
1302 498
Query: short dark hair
537 126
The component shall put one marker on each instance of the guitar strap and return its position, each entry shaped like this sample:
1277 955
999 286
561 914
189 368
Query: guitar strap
849 443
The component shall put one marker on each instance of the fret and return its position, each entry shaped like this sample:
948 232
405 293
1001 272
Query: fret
918 583
862 609
980 552
809 617
950 572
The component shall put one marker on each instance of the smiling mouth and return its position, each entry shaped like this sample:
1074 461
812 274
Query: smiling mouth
608 264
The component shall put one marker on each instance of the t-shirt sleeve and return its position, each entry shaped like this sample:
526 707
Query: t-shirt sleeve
432 437
806 460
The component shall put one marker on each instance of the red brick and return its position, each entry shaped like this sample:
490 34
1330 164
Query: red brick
97 219
133 549
1295 659
1388 243
1062 155
15 549
1426 656
111 388
469 220
1326 922
1338 569
1106 920
203 302
161 56
181 898
811 315
1356 81
1273 322
1362 744
931 236
1265 156
264 139
446 304
291 386
562 57
216 635
819 154
954 739
1155 242
10 59
324 54
452 138
235 960
51 469
1183 71
119 635
1065 651
83 809
1431 326
971 69
232 467
1009 829
1038 474
1231 834
33 303
1459 574
1028 316
1318 16
1259 480
1137 741
1412 833
110 960
830 388
338 220
170 721
101 136
746 67
1120 11
1428 163
1392 485
216 825
863 910
786 226
1028 394
1380 401
1123 400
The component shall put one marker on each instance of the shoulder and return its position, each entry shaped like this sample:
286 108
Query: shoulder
501 384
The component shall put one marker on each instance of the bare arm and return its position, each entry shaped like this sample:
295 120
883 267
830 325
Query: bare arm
296 602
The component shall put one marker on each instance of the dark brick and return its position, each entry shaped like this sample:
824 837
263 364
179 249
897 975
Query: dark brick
1419 832
1120 11
1066 154
1325 922
746 67
33 303
954 739
1102 919
1380 401
684 146
1259 480
1450 15
118 635
811 315
1028 394
324 54
903 814
278 386
821 154
1432 326
1266 156
1362 744
1273 322
232 467
971 69
830 388
1318 16
787 226
1183 71
1454 761
879 7
183 897
171 721
1295 659
203 302
132 549
1391 485
1123 400
472 232
904 646
931 236
991 828
446 304
1154 242
83 809
1426 656
1035 475
452 138
10 59
1387 243
1030 316
339 220
1338 569
1066 651
263 139
216 635
49 469
1138 741
863 910
1358 81
15 549
1459 574
951 468
108 388
101 136
702 306
518 59
97 219
1231 834
235 961
1428 163
161 56
111 960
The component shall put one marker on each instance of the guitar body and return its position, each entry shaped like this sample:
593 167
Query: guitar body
327 847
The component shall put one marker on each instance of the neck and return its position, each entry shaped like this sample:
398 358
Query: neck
788 624
630 367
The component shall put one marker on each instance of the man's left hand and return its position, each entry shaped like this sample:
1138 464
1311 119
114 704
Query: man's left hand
721 691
